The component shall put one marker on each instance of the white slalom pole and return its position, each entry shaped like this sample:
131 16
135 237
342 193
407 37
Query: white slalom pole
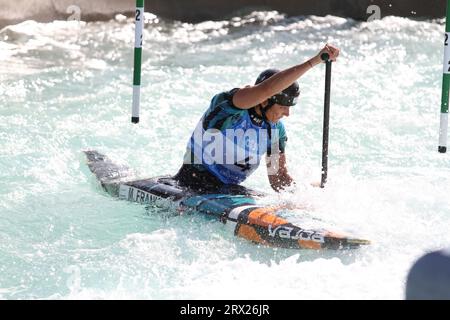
139 25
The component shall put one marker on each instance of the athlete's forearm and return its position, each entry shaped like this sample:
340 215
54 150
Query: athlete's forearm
251 96
280 81
277 172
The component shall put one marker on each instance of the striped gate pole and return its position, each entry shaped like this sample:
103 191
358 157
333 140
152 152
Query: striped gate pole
139 24
445 86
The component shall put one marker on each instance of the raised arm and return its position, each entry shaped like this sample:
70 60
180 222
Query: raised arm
251 96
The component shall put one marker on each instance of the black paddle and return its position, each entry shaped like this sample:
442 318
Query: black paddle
326 118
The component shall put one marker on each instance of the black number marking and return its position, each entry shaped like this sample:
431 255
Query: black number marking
446 39
138 15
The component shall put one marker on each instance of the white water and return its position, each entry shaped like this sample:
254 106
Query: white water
66 87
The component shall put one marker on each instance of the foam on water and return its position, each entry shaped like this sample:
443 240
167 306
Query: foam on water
66 87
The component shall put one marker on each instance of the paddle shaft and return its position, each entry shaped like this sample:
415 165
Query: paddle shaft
326 119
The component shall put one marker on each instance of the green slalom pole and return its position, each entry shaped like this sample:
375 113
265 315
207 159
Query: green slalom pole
445 86
139 25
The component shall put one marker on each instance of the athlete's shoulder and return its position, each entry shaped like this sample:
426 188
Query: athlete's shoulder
223 103
221 112
225 97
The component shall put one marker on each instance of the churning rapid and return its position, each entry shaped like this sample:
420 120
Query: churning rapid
66 87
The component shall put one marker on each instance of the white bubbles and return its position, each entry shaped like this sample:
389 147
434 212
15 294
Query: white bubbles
66 87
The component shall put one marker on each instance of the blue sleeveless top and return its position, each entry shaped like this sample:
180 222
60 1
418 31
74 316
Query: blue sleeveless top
229 142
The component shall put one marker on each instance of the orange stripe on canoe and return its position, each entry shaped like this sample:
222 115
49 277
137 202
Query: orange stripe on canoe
249 233
265 217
